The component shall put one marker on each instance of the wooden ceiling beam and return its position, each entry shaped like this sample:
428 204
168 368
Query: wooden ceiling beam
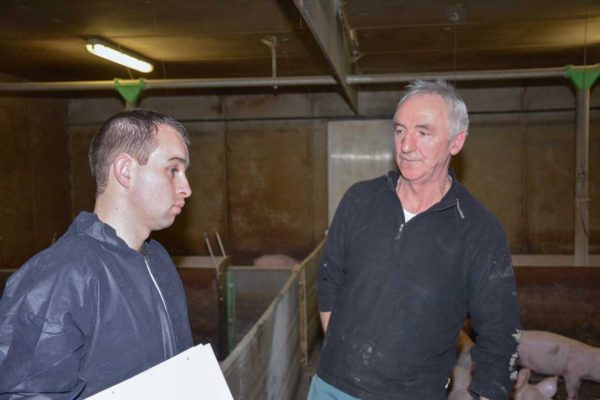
322 18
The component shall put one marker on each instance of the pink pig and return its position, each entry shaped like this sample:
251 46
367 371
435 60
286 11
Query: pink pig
461 373
543 390
461 377
275 261
551 354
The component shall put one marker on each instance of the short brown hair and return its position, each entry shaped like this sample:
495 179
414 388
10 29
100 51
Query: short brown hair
132 132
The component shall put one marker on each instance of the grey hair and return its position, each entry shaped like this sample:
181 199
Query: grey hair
458 116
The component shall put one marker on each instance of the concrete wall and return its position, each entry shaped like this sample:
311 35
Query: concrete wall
519 160
259 166
35 202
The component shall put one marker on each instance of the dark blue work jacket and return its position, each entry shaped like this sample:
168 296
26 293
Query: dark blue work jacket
87 313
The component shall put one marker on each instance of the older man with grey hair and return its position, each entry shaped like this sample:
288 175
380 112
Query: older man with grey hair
409 257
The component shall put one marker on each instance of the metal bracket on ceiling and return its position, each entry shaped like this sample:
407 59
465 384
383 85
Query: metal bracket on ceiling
272 42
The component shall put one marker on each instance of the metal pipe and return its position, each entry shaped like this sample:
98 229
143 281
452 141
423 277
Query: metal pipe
318 80
582 199
212 255
220 244
460 76
56 86
169 84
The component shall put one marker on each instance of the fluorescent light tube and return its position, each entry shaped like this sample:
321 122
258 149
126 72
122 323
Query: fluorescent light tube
108 52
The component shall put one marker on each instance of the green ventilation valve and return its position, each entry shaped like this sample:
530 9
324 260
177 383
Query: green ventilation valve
130 90
583 78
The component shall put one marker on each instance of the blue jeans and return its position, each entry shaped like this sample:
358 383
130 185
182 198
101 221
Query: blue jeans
321 390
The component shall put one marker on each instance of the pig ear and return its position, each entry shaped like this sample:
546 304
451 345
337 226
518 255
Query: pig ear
523 377
547 387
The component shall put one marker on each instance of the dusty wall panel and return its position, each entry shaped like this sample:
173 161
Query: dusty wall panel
550 185
34 191
270 187
490 167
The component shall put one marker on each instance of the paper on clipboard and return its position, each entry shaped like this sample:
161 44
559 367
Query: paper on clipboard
193 374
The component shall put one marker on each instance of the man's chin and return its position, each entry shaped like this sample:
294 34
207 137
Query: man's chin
165 223
177 210
409 174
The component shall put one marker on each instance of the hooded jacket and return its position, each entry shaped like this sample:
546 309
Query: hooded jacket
87 313
399 293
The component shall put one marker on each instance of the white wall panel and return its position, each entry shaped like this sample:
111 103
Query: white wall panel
357 150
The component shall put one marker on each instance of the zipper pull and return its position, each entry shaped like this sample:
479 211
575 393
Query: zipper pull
399 234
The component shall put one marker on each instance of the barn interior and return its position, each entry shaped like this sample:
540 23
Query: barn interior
288 102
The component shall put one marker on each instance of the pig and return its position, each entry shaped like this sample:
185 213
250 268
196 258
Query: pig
275 261
462 376
461 373
551 354
544 390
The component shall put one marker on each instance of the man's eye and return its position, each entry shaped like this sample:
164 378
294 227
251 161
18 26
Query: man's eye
174 171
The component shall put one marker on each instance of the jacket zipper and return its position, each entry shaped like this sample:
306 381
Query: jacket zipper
403 224
162 299
400 229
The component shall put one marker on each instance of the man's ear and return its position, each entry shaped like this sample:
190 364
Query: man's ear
457 143
123 168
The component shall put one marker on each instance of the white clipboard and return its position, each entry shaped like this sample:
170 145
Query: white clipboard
193 374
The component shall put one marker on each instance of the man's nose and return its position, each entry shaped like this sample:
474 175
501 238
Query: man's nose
408 143
184 187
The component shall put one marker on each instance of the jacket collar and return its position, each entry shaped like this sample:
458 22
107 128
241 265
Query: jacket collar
450 199
89 224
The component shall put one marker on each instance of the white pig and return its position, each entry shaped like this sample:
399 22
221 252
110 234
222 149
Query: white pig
461 373
543 390
462 376
551 354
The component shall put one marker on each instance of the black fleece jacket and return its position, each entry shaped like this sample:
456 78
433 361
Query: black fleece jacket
399 293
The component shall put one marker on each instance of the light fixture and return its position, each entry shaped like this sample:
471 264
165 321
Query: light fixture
109 52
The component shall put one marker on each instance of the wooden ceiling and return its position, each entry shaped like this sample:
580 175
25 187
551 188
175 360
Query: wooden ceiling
44 41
